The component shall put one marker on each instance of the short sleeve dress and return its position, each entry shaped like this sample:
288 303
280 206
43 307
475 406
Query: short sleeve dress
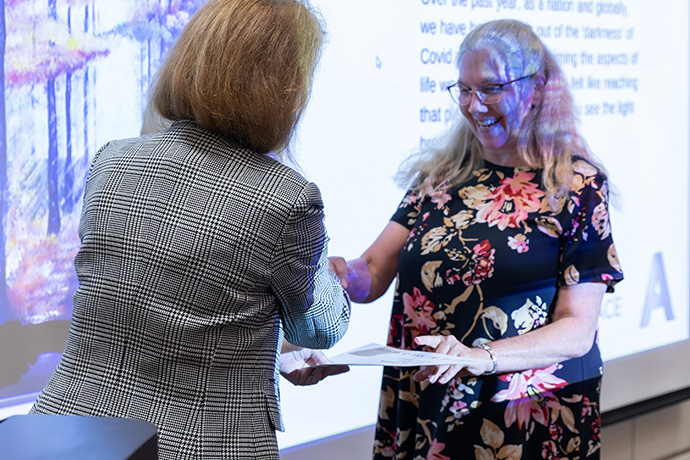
482 262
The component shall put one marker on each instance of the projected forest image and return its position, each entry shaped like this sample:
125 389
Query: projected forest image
75 75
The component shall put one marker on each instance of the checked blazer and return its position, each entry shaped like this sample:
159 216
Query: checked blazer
196 256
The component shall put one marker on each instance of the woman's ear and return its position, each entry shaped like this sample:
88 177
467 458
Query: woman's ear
538 89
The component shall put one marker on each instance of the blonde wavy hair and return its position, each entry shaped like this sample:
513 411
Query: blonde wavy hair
547 139
243 69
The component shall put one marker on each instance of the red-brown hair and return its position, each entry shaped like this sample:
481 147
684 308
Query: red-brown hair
243 69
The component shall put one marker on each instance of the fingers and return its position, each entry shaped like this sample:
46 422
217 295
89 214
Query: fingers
428 340
423 373
338 265
301 367
303 377
312 375
319 358
448 375
335 369
436 372
447 345
440 374
316 357
440 343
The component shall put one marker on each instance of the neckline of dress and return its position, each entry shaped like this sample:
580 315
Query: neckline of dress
495 166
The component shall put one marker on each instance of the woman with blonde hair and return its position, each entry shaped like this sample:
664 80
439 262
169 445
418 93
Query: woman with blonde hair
200 252
502 251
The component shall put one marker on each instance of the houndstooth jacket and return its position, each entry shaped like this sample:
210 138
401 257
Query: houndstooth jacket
196 256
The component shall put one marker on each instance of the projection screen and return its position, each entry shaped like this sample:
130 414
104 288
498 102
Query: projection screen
76 74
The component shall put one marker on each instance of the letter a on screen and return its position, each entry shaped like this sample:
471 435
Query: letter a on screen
657 292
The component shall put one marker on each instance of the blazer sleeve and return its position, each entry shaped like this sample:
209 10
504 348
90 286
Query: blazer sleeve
314 308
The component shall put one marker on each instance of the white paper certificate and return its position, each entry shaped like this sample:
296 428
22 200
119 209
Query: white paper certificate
381 355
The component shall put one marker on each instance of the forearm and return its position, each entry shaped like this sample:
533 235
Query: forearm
570 334
314 308
540 348
322 322
364 283
553 343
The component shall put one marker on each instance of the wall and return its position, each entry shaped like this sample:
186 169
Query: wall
662 434
658 435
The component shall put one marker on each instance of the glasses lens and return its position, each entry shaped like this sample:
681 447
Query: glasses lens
463 96
485 96
454 93
490 97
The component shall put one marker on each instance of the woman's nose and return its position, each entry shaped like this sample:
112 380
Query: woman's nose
476 103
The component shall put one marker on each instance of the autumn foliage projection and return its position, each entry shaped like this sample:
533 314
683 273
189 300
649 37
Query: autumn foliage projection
56 55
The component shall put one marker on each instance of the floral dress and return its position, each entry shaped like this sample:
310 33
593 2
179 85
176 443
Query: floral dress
484 262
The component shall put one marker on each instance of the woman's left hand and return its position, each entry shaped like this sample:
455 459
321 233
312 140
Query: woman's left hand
449 345
297 366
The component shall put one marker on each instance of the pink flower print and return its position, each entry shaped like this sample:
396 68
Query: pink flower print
587 407
556 431
537 407
529 393
440 198
511 202
452 276
596 430
549 451
481 265
459 409
395 330
418 311
519 243
531 381
456 391
435 451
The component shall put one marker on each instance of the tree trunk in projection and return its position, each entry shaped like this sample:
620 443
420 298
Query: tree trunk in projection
53 191
68 180
86 95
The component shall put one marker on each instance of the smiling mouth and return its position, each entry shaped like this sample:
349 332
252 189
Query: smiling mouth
486 123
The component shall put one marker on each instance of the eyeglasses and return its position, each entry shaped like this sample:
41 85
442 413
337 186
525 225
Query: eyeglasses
489 94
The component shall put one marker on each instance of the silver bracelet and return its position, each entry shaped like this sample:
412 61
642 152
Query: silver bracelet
485 346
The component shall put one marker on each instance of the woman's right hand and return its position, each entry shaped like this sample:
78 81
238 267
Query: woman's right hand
368 277
354 276
338 265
